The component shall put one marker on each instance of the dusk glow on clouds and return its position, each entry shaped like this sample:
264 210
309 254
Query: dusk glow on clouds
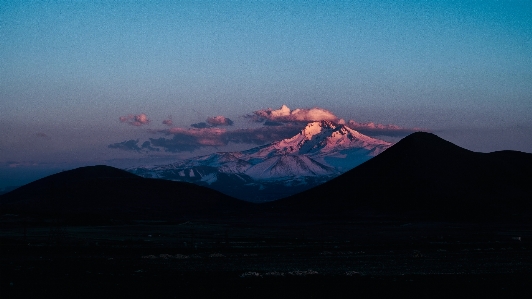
284 114
132 145
135 120
278 124
219 121
189 140
168 121
69 69
213 122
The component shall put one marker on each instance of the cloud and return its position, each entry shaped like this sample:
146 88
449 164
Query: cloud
17 164
147 146
188 139
129 145
219 121
176 144
135 120
213 122
201 125
272 123
193 139
285 115
370 125
373 129
263 134
276 125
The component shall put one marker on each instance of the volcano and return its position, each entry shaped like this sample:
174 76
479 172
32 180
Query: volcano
320 152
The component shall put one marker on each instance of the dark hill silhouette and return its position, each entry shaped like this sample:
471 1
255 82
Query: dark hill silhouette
104 192
427 176
420 176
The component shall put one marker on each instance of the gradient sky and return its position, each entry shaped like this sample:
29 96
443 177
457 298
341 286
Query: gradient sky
70 69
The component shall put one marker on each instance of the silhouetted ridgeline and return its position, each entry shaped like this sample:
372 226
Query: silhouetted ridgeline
420 177
429 177
104 192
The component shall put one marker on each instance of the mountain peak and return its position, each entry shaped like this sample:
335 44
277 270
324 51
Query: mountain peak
423 142
326 136
320 151
316 127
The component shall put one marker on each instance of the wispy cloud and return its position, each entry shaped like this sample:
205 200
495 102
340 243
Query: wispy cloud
285 115
168 121
276 125
135 120
213 122
201 125
18 164
193 139
129 145
133 146
188 139
219 121
370 128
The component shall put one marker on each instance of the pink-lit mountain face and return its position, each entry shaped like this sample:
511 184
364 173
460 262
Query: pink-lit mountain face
320 152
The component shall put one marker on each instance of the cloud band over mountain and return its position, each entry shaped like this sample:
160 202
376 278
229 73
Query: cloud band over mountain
285 115
192 139
276 125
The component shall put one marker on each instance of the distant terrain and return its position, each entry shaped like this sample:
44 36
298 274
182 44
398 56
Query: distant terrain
424 217
321 151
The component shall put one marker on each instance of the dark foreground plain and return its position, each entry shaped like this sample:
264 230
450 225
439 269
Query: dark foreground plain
424 219
311 259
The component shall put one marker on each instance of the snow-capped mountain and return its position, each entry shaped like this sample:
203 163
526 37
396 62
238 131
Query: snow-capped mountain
326 143
320 152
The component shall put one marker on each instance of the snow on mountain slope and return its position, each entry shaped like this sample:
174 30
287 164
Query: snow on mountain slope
288 166
321 151
320 139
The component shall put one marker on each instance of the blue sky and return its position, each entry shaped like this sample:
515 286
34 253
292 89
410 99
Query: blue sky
70 69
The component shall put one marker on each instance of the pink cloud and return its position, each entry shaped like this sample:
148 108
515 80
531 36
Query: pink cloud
373 129
213 122
277 124
135 120
370 125
168 121
219 121
192 139
202 137
284 114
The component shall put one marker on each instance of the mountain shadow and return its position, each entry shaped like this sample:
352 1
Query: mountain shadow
426 176
103 192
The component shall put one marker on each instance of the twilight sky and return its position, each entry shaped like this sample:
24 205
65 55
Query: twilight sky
91 82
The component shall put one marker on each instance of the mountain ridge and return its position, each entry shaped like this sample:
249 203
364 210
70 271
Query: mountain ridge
319 152
422 177
104 192
430 175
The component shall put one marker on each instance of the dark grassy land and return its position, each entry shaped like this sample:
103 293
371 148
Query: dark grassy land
315 259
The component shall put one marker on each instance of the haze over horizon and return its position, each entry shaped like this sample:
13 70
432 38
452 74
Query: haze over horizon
117 83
